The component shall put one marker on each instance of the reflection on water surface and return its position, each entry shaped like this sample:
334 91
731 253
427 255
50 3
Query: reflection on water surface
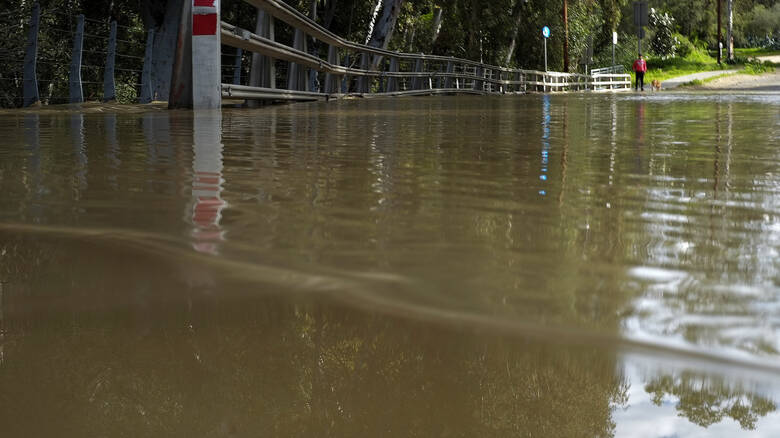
454 266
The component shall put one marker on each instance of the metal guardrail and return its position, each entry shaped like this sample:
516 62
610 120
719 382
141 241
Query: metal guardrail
396 73
615 69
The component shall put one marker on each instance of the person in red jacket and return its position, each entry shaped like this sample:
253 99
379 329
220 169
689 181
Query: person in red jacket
640 67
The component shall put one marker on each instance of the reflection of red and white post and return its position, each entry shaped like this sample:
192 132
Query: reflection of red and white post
207 182
206 55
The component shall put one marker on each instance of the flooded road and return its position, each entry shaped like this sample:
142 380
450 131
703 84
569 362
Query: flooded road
535 266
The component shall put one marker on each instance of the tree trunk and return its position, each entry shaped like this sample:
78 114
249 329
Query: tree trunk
436 24
518 16
383 31
472 43
565 36
372 23
330 14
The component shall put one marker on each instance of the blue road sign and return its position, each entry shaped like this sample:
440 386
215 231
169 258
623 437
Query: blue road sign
546 32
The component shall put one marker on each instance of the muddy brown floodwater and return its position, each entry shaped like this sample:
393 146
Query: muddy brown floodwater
534 266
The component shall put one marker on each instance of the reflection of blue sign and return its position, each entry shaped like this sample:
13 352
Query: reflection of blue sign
546 32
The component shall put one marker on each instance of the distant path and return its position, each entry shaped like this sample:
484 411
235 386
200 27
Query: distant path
679 80
771 58
765 82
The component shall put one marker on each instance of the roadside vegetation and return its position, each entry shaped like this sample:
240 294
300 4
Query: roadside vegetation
750 52
681 37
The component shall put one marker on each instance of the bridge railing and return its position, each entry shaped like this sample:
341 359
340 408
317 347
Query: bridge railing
615 69
358 69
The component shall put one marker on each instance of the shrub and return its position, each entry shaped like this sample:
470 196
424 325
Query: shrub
664 43
685 46
126 93
756 67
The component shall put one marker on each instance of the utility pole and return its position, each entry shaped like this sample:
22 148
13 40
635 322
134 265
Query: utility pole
566 36
720 35
730 32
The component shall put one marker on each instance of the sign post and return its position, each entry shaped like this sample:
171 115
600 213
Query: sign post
206 55
545 34
614 43
640 20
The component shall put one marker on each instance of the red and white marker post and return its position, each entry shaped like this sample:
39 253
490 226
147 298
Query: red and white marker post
206 55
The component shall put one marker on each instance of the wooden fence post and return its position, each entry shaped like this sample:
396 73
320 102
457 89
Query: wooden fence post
180 95
109 87
146 73
30 91
76 92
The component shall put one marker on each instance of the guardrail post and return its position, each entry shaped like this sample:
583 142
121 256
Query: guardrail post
30 91
146 72
345 79
296 74
237 68
364 82
109 88
206 58
331 80
448 79
392 82
263 70
478 84
74 80
417 83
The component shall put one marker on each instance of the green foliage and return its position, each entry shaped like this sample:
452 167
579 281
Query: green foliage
762 28
757 67
665 68
685 47
126 93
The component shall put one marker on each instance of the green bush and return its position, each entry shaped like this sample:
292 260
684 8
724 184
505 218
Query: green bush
738 60
684 47
757 67
126 93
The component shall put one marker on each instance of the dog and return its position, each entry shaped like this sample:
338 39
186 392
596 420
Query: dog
656 85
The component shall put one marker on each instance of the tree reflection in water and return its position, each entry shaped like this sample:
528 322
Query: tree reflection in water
705 400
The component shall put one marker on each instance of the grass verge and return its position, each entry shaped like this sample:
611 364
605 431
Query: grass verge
663 69
755 51
701 82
